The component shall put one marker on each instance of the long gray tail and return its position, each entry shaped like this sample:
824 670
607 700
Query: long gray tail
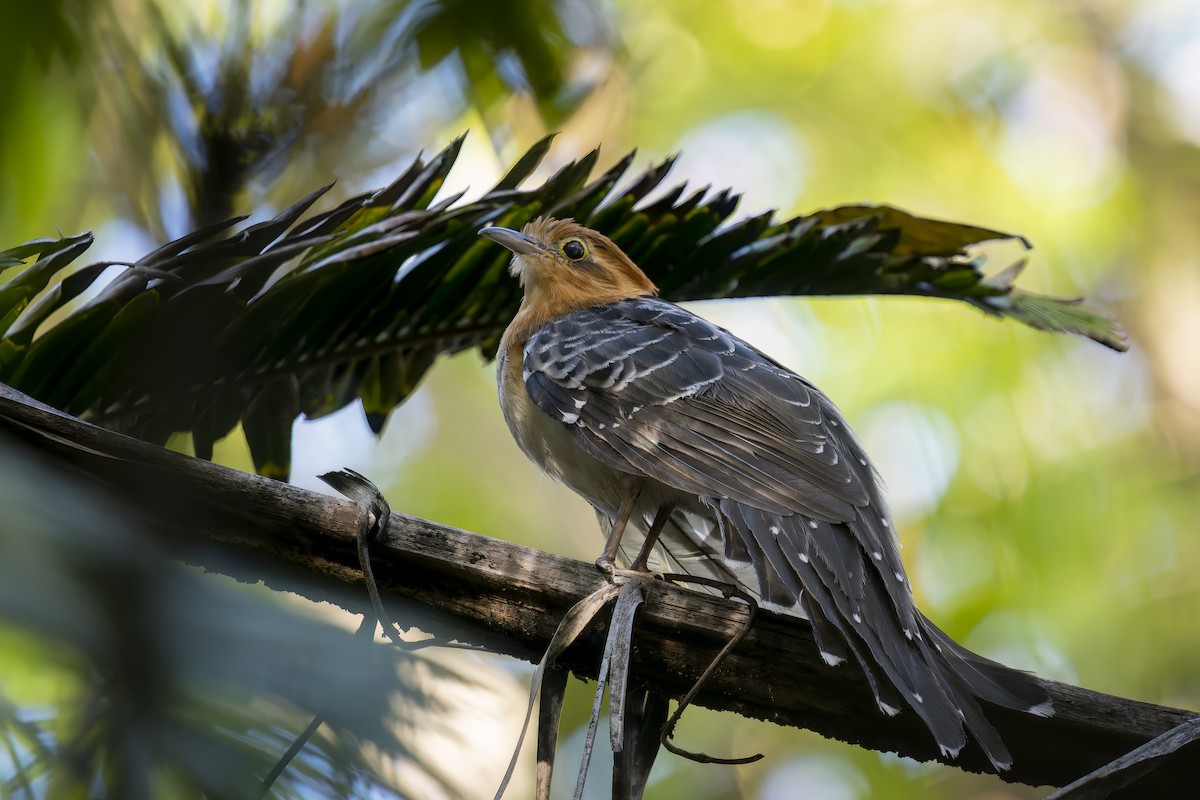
856 596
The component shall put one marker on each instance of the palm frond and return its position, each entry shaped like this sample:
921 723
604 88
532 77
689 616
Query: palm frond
303 314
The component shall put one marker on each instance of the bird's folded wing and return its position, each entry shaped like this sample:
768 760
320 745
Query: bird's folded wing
651 389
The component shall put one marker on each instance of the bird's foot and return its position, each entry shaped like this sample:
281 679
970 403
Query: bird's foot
643 572
609 567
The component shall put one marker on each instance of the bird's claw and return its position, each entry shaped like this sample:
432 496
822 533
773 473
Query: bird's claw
609 568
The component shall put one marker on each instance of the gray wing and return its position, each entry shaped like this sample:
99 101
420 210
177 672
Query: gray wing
644 379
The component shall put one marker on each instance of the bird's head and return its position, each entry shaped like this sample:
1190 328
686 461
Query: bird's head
566 266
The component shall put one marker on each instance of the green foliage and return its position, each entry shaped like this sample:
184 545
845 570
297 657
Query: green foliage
303 315
213 103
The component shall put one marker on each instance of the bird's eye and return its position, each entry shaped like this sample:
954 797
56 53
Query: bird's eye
574 249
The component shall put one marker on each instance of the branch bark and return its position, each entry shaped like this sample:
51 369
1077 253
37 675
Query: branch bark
509 598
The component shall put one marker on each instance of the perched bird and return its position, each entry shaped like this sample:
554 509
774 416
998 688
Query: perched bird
671 427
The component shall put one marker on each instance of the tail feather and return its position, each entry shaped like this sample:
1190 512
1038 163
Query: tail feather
981 729
822 611
859 609
855 611
987 679
779 584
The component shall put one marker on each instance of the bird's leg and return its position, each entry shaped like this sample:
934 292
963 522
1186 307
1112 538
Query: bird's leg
613 543
660 522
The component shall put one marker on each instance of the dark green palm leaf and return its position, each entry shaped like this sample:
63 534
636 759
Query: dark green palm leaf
307 314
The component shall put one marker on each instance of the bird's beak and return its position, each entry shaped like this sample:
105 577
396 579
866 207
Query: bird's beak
516 241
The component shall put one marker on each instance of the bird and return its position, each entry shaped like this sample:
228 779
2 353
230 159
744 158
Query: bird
727 464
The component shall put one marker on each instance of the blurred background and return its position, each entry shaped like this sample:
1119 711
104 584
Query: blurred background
1046 489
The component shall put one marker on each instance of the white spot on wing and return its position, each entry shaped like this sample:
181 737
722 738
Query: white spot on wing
857 618
775 529
812 523
1042 709
580 403
570 418
803 558
831 659
891 711
634 375
877 555
691 390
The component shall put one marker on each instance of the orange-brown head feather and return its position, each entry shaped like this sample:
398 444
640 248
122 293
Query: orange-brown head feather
564 267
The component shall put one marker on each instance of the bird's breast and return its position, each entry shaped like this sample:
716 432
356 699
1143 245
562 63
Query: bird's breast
549 443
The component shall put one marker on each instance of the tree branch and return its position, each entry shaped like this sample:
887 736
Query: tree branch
510 598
